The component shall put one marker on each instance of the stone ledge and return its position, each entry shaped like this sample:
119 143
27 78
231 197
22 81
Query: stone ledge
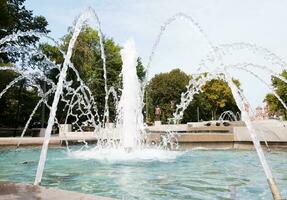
27 141
16 191
207 137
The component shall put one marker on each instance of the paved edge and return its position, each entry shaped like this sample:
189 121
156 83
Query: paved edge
13 191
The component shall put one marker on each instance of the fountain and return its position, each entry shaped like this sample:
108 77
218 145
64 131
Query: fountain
229 115
129 108
131 101
221 73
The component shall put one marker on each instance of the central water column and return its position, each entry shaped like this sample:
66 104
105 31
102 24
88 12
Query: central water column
130 103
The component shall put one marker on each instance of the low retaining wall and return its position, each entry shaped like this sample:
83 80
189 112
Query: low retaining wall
192 135
188 135
28 141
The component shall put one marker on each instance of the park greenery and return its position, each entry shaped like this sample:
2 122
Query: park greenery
17 104
163 90
87 60
275 106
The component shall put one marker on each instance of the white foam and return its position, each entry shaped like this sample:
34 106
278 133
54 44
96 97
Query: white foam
119 154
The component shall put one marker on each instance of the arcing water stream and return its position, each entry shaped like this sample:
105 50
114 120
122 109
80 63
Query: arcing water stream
129 116
195 85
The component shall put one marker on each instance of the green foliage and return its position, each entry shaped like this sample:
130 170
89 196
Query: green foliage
215 98
5 18
52 53
18 102
140 70
164 88
15 17
274 105
87 60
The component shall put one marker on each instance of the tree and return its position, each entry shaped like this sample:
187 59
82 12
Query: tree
18 102
274 105
215 98
166 88
5 18
15 17
87 60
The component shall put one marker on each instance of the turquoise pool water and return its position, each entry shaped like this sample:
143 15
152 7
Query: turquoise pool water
195 174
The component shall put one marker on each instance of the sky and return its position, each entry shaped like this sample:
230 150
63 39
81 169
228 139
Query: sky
260 22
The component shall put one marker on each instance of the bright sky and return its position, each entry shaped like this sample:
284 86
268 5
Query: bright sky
260 22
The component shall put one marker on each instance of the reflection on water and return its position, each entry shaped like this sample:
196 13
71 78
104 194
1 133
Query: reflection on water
196 174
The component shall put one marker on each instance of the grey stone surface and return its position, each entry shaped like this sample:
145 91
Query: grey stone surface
275 134
266 130
167 127
19 191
